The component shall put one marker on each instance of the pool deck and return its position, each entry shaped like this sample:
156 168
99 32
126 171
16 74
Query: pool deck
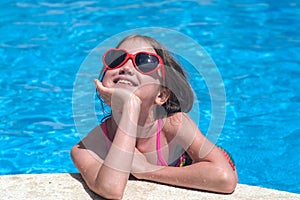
72 187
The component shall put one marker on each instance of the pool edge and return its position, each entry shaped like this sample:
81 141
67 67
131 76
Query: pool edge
71 186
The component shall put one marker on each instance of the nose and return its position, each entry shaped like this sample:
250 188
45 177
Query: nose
127 68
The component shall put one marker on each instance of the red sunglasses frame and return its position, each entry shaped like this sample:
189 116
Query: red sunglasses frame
132 57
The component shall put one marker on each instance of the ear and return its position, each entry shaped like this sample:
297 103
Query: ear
162 96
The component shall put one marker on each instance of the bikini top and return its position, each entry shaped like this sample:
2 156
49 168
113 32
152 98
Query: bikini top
160 159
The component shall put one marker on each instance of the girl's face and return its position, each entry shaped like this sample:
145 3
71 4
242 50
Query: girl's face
146 87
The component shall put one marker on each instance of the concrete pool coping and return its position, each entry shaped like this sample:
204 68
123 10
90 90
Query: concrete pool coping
71 187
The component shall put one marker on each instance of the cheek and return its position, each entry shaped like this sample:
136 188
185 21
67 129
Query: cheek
149 87
147 92
107 80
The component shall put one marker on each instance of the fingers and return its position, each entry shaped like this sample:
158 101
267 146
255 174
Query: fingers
140 164
117 96
101 89
104 92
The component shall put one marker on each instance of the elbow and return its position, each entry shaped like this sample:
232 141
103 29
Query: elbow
109 190
106 188
227 182
74 154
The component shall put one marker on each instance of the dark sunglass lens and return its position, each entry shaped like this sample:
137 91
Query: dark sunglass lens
146 62
114 58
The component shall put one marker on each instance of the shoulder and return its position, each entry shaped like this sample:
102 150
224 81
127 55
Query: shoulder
182 128
177 120
172 122
95 132
93 142
175 123
93 138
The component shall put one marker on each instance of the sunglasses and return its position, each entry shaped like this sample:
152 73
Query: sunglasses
144 62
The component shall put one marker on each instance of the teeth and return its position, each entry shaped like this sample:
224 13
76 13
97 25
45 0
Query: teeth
125 82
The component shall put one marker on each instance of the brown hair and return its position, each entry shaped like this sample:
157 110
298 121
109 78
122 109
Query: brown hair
181 95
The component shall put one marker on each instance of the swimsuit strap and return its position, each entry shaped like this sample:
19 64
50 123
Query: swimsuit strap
161 161
104 128
181 161
228 158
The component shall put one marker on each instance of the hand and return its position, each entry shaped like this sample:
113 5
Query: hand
104 92
117 98
125 106
141 167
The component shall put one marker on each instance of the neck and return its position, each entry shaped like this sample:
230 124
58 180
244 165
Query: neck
147 123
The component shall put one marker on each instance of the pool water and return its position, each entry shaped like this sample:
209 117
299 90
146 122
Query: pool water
255 45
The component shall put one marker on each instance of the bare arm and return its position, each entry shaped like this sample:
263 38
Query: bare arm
210 170
108 176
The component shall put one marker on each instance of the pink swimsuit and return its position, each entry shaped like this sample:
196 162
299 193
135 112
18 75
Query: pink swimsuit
160 159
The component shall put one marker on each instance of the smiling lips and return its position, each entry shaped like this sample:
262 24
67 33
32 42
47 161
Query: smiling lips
121 81
124 81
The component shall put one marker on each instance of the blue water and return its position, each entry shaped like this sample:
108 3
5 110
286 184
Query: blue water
255 45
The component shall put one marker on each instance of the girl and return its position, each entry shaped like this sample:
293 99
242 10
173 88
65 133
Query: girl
148 134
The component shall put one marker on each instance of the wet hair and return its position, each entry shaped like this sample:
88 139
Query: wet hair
181 94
